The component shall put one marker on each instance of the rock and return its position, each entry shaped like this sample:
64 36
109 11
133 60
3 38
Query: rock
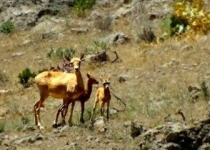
100 125
123 11
195 91
171 146
49 27
29 139
5 92
136 130
18 54
116 38
121 79
127 123
79 30
205 146
98 57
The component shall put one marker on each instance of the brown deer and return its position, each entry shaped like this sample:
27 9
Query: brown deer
102 97
83 98
60 85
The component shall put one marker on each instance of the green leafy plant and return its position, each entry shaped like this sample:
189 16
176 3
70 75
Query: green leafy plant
7 27
96 46
25 76
81 5
60 53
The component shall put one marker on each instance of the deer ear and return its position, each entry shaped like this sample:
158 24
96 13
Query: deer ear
88 75
82 56
66 58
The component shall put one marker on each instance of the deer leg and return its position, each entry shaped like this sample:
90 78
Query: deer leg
38 116
55 125
35 112
107 111
94 108
64 112
37 107
82 112
102 109
71 113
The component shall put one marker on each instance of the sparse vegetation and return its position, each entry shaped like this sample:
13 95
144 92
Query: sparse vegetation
24 120
96 46
81 5
60 53
147 35
7 27
104 23
2 126
3 77
205 90
25 75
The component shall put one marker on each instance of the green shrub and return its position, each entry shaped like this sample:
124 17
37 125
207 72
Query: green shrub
60 53
2 126
81 5
25 76
7 27
96 46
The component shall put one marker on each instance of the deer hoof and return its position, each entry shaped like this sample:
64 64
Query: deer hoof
82 120
41 127
55 125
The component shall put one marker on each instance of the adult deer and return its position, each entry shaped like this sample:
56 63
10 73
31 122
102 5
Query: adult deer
60 85
83 98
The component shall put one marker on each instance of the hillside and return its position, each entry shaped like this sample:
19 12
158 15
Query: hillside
152 79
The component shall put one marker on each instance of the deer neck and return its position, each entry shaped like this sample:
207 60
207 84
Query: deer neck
88 89
79 80
106 90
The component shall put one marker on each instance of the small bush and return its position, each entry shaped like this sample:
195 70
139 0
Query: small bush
96 46
2 126
148 35
104 23
25 76
204 90
7 27
23 122
3 77
60 53
81 5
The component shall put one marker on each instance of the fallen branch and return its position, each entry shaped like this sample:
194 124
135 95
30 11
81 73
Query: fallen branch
179 112
119 99
116 57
